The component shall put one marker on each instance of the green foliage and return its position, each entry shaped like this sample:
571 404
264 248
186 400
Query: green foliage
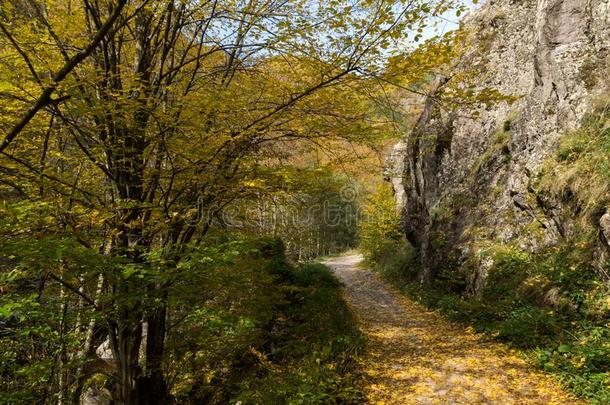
397 262
315 275
313 210
581 362
380 227
36 328
315 344
291 339
245 323
381 239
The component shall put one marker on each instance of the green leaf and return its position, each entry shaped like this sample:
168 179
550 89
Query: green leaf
6 310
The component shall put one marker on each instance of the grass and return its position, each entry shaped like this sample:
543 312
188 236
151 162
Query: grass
580 170
396 262
498 147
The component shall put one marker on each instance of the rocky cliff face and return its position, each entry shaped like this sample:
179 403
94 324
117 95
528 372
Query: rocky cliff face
466 182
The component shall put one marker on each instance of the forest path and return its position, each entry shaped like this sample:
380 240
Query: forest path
415 356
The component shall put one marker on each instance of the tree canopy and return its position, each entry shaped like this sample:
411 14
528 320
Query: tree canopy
128 127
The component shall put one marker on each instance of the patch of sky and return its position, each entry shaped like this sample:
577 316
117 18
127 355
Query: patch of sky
338 32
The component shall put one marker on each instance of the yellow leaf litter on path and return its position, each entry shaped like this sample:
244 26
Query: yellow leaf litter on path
415 356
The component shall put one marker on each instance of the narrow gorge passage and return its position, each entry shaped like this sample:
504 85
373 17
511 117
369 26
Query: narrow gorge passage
414 356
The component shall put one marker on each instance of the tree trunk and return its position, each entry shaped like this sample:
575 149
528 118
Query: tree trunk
152 387
126 354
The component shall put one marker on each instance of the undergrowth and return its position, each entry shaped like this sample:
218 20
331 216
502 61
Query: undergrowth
277 333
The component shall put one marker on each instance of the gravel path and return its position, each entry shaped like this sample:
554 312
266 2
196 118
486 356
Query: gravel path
415 356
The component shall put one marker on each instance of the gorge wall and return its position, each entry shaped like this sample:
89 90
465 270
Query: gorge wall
468 181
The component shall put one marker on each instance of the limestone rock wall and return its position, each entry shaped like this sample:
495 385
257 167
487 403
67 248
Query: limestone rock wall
472 181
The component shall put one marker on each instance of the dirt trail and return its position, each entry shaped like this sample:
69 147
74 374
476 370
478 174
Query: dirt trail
415 356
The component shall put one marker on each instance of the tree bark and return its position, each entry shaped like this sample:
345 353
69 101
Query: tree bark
152 386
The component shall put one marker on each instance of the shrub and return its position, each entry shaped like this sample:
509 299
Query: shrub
527 326
381 240
380 226
257 329
315 347
397 262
